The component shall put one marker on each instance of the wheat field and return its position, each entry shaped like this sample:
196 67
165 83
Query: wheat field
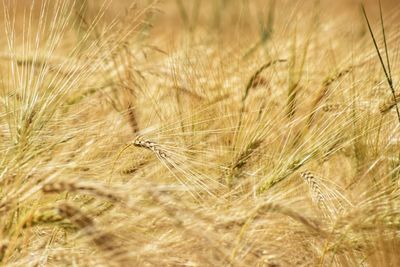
199 133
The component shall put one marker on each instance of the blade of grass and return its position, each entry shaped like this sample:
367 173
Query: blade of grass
384 41
388 78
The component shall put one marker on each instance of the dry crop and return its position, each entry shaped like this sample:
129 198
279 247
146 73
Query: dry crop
199 133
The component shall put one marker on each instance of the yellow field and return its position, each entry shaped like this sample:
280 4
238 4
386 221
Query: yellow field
199 133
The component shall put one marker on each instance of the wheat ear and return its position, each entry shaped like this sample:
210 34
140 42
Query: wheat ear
315 189
147 144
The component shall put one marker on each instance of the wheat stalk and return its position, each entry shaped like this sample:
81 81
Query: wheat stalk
268 207
133 169
103 240
275 207
239 163
329 199
76 216
132 119
147 144
324 91
389 103
74 186
315 189
42 217
256 80
177 213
